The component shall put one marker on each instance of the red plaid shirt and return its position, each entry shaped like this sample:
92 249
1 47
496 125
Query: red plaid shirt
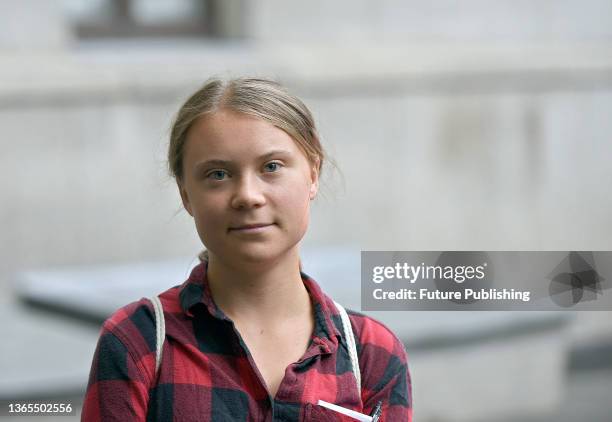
208 374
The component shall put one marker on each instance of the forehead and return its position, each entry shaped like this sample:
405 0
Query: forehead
234 135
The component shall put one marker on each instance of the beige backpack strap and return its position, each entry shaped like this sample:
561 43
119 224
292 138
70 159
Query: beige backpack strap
350 342
160 331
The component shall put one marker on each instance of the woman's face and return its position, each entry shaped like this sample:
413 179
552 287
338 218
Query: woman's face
248 187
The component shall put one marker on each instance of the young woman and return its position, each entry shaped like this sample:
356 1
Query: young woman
248 336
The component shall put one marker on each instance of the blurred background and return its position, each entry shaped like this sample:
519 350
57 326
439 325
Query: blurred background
475 125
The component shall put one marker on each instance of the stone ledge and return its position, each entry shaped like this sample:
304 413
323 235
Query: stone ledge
115 72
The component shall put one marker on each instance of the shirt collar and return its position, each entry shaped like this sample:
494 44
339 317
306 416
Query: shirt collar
196 291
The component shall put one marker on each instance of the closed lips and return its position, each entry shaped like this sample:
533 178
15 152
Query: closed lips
250 226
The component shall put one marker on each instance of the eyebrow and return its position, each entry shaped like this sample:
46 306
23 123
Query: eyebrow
217 162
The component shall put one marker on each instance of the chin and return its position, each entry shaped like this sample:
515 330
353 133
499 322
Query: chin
258 255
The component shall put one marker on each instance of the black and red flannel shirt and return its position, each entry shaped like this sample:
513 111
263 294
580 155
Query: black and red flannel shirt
208 374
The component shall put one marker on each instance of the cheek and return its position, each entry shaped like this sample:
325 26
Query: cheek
296 205
207 215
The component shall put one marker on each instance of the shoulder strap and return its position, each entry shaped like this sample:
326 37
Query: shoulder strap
350 342
160 331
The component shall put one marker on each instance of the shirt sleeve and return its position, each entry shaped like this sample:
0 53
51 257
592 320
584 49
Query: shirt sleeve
384 372
118 386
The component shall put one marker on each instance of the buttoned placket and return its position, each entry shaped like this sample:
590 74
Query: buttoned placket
317 347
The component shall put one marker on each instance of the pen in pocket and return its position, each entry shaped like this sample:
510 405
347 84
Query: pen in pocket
353 414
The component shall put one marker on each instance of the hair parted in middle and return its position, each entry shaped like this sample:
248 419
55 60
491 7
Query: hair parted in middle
257 97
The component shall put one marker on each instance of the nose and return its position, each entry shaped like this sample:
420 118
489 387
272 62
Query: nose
248 193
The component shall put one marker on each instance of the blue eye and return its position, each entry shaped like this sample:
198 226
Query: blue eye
217 174
272 167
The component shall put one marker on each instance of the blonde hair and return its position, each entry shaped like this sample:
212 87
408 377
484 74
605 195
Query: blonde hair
262 98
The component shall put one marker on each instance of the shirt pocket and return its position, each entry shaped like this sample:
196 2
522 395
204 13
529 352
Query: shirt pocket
316 413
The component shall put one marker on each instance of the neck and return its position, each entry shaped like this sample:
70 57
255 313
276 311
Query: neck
259 292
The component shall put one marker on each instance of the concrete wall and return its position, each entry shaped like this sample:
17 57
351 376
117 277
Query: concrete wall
433 20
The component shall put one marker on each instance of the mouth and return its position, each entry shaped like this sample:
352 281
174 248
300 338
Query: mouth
251 228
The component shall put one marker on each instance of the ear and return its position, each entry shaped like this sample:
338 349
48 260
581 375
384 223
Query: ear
314 177
185 198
